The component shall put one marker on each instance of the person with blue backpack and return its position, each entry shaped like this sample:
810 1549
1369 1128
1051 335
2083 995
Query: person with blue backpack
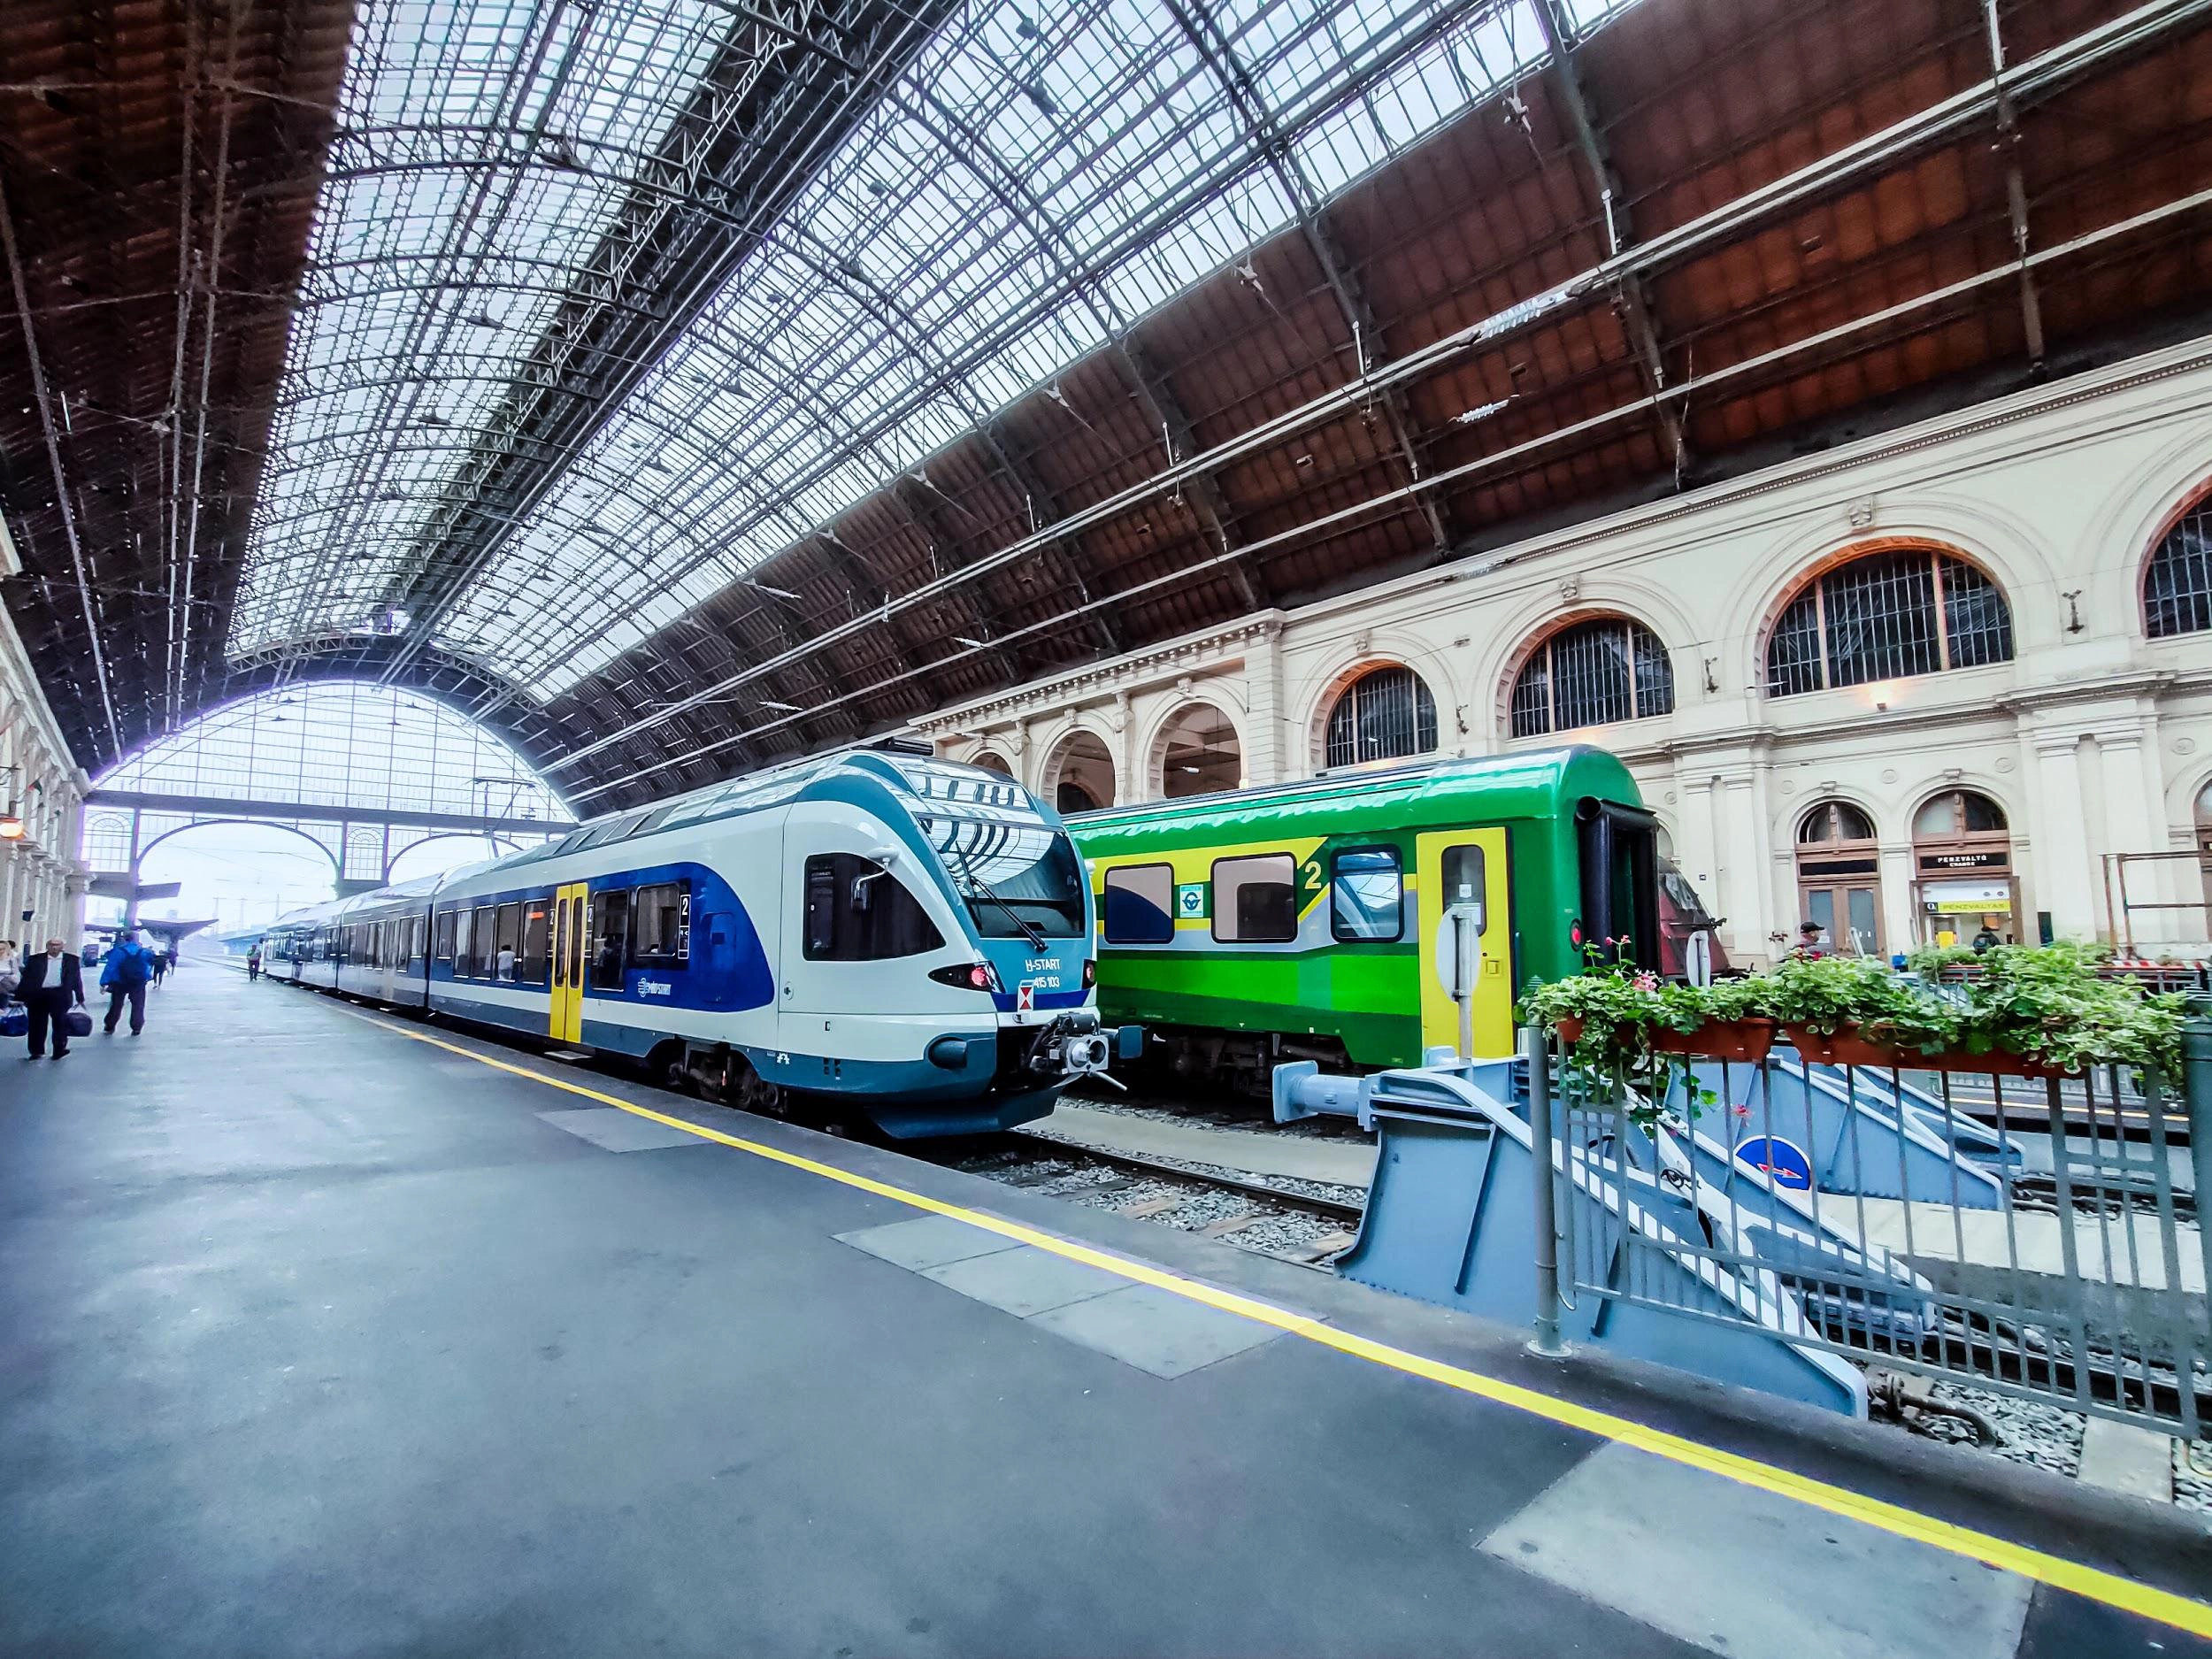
124 973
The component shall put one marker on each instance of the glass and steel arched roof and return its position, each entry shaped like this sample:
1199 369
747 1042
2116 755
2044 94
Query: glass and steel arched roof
512 183
341 743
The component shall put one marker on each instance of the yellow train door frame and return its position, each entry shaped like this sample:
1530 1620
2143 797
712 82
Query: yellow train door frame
570 904
1466 943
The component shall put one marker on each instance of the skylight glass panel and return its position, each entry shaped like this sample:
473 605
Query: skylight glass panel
343 744
1035 183
482 151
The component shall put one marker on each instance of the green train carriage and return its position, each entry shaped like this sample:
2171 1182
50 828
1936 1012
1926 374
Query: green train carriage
1363 919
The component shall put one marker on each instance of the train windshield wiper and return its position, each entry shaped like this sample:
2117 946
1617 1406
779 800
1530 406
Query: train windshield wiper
977 888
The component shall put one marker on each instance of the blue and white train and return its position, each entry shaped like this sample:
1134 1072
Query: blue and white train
911 934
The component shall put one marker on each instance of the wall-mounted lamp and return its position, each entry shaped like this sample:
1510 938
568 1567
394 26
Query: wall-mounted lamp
2073 610
12 821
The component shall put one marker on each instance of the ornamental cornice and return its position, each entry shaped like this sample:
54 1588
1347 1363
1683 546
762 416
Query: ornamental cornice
1103 681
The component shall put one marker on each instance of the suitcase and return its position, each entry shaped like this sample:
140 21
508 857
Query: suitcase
78 1021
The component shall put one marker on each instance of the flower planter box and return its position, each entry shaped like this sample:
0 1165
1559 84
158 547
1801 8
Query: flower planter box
1715 1040
1748 1039
1845 1047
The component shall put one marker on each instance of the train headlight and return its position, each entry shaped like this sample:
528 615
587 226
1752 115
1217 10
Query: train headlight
967 976
1090 972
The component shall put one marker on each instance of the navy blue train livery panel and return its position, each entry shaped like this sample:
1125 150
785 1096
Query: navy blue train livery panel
909 932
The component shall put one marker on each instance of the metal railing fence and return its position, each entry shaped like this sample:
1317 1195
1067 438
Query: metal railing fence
2033 1237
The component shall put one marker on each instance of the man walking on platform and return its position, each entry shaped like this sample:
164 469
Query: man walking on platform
52 984
124 972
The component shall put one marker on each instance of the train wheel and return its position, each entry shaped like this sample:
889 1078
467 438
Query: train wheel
666 1066
750 1092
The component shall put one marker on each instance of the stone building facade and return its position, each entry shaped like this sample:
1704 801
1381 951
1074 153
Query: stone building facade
41 790
1934 680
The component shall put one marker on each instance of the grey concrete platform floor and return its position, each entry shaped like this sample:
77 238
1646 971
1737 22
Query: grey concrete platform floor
322 1342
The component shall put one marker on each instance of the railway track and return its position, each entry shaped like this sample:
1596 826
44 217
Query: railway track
1302 1223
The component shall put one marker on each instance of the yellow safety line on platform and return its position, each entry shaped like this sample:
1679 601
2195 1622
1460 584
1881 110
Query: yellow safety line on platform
2147 1601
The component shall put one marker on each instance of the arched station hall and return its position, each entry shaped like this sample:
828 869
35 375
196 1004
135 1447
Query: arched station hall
660 604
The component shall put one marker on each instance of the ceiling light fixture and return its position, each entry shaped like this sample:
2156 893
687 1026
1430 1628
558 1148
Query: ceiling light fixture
787 708
780 593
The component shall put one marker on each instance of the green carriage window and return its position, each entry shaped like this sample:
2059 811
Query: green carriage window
1366 894
1256 900
1140 908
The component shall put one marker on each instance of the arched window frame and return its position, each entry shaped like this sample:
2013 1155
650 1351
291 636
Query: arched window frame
1369 683
1951 576
2184 547
1644 701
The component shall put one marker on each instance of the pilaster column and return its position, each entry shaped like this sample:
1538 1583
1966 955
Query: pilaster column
1263 711
1131 786
2062 837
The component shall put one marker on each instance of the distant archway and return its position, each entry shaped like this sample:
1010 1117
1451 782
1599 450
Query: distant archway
1199 752
1079 777
991 760
239 872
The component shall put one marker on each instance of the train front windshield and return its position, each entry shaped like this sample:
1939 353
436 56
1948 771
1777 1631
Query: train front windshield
1019 880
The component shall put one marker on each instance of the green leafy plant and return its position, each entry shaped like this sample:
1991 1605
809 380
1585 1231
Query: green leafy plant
2046 1004
1828 993
1614 1007
2051 1004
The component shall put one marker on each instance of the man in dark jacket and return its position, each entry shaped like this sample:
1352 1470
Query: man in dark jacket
52 985
124 973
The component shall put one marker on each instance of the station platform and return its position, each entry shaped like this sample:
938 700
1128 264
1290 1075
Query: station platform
336 1334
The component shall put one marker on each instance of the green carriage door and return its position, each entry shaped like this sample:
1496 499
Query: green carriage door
1466 941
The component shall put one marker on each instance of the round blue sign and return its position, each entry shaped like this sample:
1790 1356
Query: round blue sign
1781 1161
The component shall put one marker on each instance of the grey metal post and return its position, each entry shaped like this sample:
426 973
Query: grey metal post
1536 1054
2196 1088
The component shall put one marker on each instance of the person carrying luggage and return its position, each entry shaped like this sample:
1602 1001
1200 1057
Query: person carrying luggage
124 973
52 984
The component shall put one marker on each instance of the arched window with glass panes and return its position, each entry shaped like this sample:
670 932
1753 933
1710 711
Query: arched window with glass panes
1886 616
2177 584
1597 673
1386 714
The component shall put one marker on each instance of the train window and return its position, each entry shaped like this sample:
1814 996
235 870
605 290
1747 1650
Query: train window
444 935
660 925
858 911
1366 894
1256 900
537 933
484 941
610 938
1140 905
1465 885
510 938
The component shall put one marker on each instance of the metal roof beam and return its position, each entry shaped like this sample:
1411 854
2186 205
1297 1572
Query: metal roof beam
1631 292
1214 49
2065 64
1163 409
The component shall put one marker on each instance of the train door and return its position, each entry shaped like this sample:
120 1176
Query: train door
1466 942
567 1018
